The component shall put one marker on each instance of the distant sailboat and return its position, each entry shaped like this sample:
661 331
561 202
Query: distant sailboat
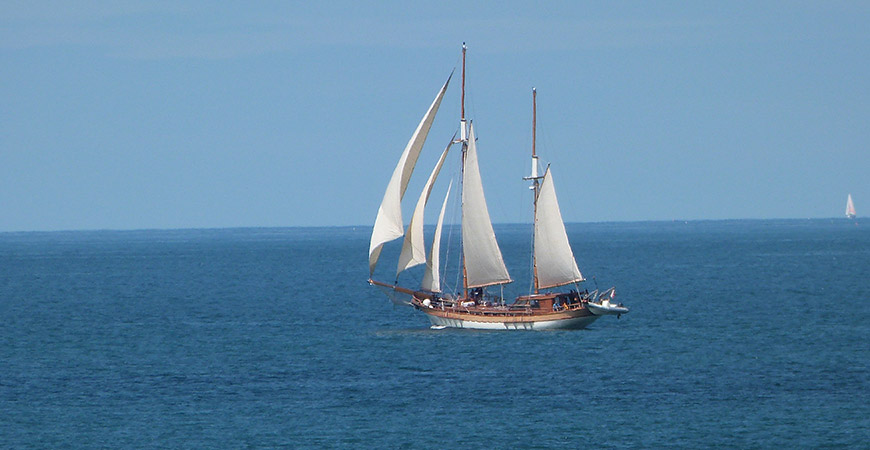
482 263
850 207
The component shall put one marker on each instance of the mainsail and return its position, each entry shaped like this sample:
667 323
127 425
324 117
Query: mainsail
432 275
554 259
413 248
850 207
388 225
484 265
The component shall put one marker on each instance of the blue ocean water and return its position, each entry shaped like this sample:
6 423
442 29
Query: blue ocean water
745 334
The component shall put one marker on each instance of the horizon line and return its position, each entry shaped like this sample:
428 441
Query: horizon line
265 227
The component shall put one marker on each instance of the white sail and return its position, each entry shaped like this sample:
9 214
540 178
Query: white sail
484 265
554 259
850 207
388 225
413 248
432 275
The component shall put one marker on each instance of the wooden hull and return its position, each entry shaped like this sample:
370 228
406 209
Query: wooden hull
535 312
503 319
474 323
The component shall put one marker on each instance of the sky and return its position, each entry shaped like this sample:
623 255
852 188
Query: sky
140 115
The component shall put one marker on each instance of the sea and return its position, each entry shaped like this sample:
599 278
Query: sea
741 334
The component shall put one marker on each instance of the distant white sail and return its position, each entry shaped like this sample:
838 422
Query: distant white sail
554 259
850 207
413 248
388 225
484 265
432 275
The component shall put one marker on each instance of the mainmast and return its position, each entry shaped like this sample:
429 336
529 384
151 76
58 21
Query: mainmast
463 137
534 177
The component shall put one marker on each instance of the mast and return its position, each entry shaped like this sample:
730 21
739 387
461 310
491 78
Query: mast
463 137
483 263
535 173
535 179
552 257
462 113
534 120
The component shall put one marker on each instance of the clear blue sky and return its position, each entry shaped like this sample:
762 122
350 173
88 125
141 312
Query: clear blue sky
128 115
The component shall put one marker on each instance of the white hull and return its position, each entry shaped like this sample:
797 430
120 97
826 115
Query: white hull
605 308
574 323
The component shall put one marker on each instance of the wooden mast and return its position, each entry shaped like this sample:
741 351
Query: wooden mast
535 179
462 114
536 183
463 136
534 120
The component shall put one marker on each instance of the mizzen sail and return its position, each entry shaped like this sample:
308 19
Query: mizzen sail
554 259
484 265
388 225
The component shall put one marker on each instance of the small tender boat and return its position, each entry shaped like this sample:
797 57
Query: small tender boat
604 306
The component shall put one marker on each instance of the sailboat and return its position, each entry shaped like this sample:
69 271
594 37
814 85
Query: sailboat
850 208
482 265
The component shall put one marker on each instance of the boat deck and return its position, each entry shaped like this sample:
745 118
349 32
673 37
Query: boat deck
543 307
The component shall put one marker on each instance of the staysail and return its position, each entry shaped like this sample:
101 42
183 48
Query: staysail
484 265
554 259
432 275
413 248
388 225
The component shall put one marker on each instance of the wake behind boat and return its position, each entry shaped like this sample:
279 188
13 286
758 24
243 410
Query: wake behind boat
482 267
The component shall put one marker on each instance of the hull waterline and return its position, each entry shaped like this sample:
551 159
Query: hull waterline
572 317
575 323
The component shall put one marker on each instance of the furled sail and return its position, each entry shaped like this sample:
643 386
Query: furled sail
484 265
554 259
413 248
388 225
432 275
